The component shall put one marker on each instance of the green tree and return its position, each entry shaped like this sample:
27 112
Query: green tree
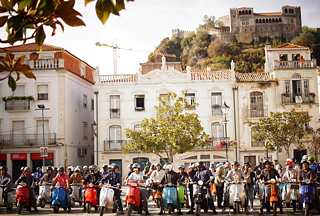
211 22
281 130
312 143
216 48
172 132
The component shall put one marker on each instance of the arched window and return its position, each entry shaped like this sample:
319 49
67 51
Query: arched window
267 21
277 20
245 30
296 76
260 21
286 10
270 20
243 13
246 12
249 11
115 138
264 21
137 127
257 21
217 131
280 20
239 12
256 105
273 20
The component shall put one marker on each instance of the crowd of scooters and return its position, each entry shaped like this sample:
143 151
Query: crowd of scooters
197 187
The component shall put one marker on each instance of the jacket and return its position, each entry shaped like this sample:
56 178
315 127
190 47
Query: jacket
27 179
75 178
48 177
221 171
94 178
114 179
203 175
170 177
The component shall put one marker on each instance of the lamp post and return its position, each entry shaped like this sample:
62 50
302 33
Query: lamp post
95 131
43 107
225 109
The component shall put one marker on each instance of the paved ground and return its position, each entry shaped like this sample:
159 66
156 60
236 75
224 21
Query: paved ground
152 208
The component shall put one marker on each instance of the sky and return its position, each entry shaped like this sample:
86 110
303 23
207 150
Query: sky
145 23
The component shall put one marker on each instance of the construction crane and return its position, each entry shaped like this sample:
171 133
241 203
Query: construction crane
115 55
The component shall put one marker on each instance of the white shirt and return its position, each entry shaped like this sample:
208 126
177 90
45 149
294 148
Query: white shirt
157 175
137 177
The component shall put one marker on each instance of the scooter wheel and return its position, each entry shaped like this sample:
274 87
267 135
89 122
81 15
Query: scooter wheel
73 203
42 203
102 210
274 209
55 208
170 208
129 211
197 209
294 205
158 201
9 207
307 209
20 207
88 207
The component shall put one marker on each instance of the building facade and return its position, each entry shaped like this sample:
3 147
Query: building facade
64 87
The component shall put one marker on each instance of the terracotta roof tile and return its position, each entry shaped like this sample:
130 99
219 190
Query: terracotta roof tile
288 6
268 14
245 8
30 47
290 45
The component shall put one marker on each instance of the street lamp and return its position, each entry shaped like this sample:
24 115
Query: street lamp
95 131
43 107
225 109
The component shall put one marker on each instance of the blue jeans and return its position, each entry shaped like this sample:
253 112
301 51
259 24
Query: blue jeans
33 198
264 196
67 199
119 203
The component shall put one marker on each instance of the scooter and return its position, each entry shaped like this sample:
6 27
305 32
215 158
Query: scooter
290 194
307 196
23 199
58 196
107 198
169 197
44 195
272 197
213 190
75 195
200 196
11 198
181 193
91 199
134 202
157 194
236 195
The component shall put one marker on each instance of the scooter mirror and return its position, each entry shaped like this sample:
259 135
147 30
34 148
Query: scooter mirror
118 184
211 177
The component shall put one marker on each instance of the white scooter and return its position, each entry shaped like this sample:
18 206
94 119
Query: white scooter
107 198
290 194
236 195
75 196
44 194
11 198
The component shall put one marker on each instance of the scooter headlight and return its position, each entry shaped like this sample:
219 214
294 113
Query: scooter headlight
108 185
273 181
200 182
307 181
90 185
236 181
134 184
24 184
169 184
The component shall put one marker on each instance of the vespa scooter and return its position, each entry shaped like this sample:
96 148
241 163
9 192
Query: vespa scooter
236 195
200 196
272 198
107 198
169 197
23 199
290 194
181 193
91 199
11 198
75 195
58 196
307 196
44 195
134 202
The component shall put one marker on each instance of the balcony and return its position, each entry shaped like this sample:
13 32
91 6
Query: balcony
299 98
114 145
216 110
258 112
46 64
283 65
115 113
27 140
17 105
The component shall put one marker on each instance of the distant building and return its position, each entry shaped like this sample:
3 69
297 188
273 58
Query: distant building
64 85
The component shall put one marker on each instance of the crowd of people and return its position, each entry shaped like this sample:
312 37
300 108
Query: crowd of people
221 175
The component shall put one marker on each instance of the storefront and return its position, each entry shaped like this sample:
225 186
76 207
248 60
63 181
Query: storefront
3 159
37 161
18 160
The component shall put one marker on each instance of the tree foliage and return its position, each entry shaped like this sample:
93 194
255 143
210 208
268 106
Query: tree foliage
280 130
312 143
211 22
172 132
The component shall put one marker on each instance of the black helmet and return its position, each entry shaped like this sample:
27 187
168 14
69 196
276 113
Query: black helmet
113 167
266 161
27 168
105 167
153 167
211 165
247 163
4 168
148 163
39 168
181 167
130 166
49 168
235 163
61 169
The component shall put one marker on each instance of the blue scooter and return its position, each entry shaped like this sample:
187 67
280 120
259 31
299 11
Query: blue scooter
170 197
59 198
307 196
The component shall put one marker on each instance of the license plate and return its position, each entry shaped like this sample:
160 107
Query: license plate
204 187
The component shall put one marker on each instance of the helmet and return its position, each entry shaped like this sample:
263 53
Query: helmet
235 163
311 158
85 167
247 163
27 168
304 161
61 169
158 164
305 157
4 168
289 163
211 165
136 166
266 161
95 168
201 164
130 166
181 167
39 168
49 168
77 169
218 165
293 160
153 167
168 166
148 163
70 168
226 163
113 167
22 168
105 167
56 168
192 165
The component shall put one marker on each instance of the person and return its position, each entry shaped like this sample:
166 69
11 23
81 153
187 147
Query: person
315 168
212 169
30 181
5 181
70 171
55 171
290 172
94 178
63 180
170 177
192 173
277 166
234 174
130 171
152 168
249 187
156 177
257 170
105 170
267 174
38 176
49 176
147 168
114 178
85 172
138 176
76 178
219 182
204 175
184 180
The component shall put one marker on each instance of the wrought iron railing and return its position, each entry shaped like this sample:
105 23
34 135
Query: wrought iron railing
115 113
258 112
12 140
114 144
298 98
216 110
17 105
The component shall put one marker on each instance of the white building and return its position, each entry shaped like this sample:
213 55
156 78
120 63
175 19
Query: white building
64 87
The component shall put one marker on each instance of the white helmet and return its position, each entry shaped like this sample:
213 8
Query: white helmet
305 157
168 166
70 168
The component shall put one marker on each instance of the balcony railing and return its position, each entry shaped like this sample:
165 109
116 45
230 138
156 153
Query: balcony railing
115 113
299 98
257 144
258 112
42 64
216 110
18 140
23 105
294 64
114 144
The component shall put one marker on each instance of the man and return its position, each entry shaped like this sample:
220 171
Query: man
152 168
70 171
257 170
204 175
130 171
170 177
267 174
192 173
85 172
147 168
138 176
114 178
5 181
38 176
315 168
277 166
290 172
63 180
184 178
105 169
219 181
249 177
212 169
49 176
233 175
157 176
30 180
77 179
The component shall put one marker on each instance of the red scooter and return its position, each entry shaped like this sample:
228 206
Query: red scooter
91 198
23 199
134 201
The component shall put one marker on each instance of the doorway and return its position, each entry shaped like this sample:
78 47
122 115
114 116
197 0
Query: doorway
16 165
296 90
119 163
297 154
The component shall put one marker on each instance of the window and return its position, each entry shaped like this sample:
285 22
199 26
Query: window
190 97
256 104
306 88
85 130
217 131
92 104
42 92
243 23
83 71
19 91
114 106
247 23
283 57
85 101
139 102
138 127
216 102
92 134
115 137
295 57
287 85
164 96
18 132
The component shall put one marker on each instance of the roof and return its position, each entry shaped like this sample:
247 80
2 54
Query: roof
268 14
30 47
290 45
289 6
245 8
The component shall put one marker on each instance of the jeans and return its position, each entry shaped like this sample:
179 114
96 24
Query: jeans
264 196
33 198
249 195
5 193
191 196
210 200
219 195
68 200
143 195
119 203
186 194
